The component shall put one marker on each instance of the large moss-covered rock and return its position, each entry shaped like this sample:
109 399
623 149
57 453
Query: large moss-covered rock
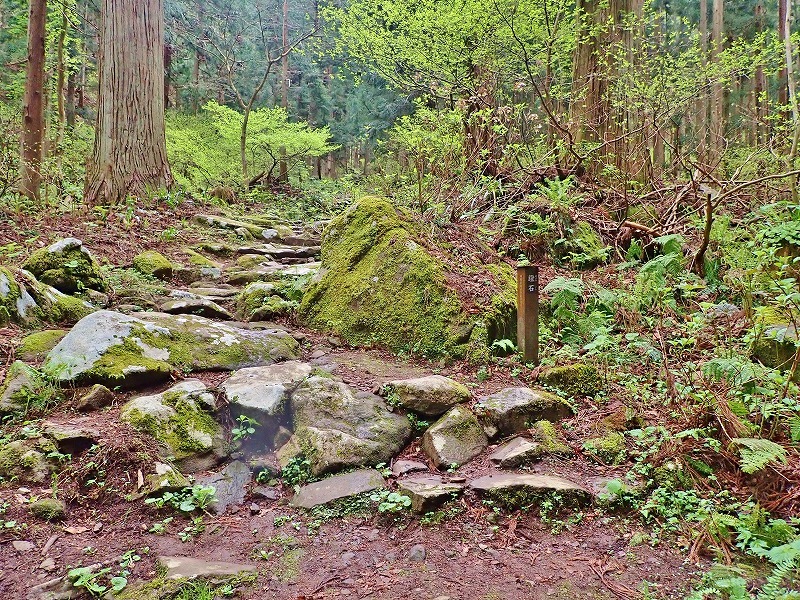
154 264
514 410
379 284
337 428
67 266
180 418
121 350
455 439
27 460
27 301
578 379
776 339
34 347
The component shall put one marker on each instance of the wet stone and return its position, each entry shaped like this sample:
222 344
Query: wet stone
516 452
337 487
428 493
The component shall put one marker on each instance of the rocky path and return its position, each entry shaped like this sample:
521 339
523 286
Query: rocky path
337 472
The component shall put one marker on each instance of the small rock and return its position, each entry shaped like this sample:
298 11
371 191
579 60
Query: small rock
96 398
401 467
431 396
318 354
268 493
454 439
48 509
183 567
254 509
517 451
336 487
72 436
230 485
196 306
23 546
417 553
282 436
428 493
97 527
48 564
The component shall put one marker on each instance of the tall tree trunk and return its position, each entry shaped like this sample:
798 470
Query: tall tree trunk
61 76
284 171
760 83
130 156
718 92
701 123
33 108
783 35
167 75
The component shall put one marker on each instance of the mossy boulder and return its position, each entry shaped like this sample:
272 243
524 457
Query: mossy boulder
583 247
34 347
25 389
608 449
16 303
549 440
380 284
338 428
121 350
261 301
67 266
48 509
27 460
154 264
431 396
514 410
27 301
574 380
455 439
775 341
180 418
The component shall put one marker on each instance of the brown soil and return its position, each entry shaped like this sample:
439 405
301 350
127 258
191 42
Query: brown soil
473 554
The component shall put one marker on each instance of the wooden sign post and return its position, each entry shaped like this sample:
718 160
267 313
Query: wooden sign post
528 313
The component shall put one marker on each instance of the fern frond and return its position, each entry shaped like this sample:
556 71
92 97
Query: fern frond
757 453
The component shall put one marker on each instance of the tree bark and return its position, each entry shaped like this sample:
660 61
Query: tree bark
783 35
284 172
130 157
33 107
718 93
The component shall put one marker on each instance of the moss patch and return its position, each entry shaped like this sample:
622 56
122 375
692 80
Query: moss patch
35 346
66 266
574 380
608 449
380 285
154 264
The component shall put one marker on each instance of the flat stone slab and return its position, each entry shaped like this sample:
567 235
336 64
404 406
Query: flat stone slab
516 452
401 467
428 493
196 306
262 392
507 482
337 487
72 436
230 485
282 251
431 396
183 567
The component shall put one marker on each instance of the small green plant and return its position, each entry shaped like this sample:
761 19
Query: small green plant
160 527
188 500
391 502
297 471
191 531
245 427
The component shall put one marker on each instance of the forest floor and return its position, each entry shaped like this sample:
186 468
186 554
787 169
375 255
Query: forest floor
466 551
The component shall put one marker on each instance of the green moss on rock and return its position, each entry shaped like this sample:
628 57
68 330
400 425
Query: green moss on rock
35 346
154 264
48 509
379 284
66 266
575 380
609 449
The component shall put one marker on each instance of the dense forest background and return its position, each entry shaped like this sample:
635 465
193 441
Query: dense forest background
447 100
